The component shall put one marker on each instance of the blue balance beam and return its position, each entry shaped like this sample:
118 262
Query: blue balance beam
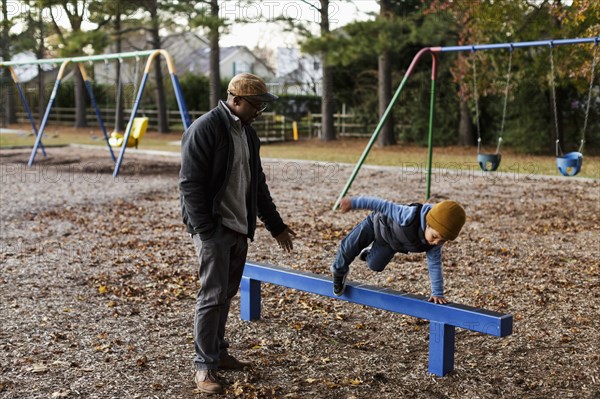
443 318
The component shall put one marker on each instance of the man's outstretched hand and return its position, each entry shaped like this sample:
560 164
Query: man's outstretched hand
285 239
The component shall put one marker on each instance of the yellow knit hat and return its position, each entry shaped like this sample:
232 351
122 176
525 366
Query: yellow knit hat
447 218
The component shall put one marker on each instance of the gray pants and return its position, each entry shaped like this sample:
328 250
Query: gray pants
222 259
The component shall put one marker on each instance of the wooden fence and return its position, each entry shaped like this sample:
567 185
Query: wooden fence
270 127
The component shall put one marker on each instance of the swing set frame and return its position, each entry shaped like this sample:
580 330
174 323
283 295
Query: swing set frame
435 52
80 61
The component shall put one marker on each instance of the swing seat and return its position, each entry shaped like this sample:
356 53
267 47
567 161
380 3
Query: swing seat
570 163
489 162
138 129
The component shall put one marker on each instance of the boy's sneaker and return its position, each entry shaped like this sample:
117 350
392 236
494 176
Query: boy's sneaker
339 283
364 253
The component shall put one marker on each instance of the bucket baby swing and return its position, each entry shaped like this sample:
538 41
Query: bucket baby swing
489 162
140 124
569 164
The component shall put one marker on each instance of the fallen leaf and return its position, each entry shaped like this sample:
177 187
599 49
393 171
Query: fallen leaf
39 368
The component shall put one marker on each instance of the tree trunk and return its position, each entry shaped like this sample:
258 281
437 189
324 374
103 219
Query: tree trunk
163 123
384 86
119 114
215 59
386 136
40 53
465 126
41 82
10 115
327 128
80 119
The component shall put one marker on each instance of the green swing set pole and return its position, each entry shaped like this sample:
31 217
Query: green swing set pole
382 121
430 138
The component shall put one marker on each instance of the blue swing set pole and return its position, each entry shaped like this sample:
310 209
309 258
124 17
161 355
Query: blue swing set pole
136 105
38 139
26 105
185 117
88 86
433 51
496 46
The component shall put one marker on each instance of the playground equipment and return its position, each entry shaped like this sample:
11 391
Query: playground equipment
64 62
137 132
490 162
26 106
443 318
434 52
569 164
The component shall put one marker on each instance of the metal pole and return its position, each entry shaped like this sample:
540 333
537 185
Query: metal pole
185 116
136 105
379 126
99 57
26 106
38 139
431 112
496 46
88 85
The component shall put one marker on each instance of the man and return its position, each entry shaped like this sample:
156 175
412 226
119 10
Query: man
222 191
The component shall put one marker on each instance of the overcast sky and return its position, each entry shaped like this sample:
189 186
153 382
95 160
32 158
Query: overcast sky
258 33
271 34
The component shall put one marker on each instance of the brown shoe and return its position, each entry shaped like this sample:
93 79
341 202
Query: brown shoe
207 381
231 363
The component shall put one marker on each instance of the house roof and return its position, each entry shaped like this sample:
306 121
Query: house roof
188 50
225 53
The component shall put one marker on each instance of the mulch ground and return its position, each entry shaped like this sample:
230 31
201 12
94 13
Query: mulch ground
98 280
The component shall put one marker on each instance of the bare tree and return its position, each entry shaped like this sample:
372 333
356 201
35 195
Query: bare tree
208 18
327 106
155 42
9 115
384 88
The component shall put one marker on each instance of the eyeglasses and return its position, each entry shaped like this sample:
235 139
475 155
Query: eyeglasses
259 108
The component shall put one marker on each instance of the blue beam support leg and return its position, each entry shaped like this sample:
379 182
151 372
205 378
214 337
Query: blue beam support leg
441 348
249 299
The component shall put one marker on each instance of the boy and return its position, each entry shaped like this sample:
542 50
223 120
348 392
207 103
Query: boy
395 228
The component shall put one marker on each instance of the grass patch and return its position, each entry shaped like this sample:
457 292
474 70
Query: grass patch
344 151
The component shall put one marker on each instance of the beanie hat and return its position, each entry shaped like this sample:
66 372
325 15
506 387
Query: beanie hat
447 218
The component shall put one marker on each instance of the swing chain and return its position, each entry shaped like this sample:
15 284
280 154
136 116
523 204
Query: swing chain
589 99
136 73
553 92
506 90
